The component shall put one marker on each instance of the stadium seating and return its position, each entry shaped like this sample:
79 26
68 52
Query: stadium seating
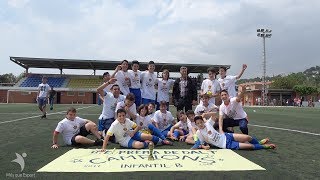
84 83
34 81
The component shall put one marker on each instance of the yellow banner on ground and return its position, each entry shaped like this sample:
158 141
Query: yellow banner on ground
128 160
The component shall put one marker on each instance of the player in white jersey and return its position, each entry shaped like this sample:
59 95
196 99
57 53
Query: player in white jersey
122 76
163 119
127 133
75 129
231 113
42 96
229 82
209 136
143 119
148 82
180 130
192 136
210 86
106 77
164 86
129 106
135 78
205 109
111 100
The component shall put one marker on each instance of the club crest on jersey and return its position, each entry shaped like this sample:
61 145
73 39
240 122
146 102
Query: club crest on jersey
125 129
209 132
141 123
75 127
150 80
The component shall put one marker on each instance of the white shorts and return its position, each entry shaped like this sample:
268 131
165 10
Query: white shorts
124 142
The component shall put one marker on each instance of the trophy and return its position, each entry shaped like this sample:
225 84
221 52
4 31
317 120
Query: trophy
151 147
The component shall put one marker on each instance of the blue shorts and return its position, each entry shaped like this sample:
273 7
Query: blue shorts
147 101
135 137
165 132
137 95
230 142
104 124
42 101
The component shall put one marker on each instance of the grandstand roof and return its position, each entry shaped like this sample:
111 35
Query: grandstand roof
30 62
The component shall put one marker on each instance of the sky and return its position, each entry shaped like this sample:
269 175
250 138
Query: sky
183 31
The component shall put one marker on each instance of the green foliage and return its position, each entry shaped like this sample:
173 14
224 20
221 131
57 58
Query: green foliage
8 78
288 82
310 77
305 90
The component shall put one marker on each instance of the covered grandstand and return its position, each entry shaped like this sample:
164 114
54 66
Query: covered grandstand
75 88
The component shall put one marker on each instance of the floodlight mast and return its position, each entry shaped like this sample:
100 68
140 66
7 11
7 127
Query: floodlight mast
264 33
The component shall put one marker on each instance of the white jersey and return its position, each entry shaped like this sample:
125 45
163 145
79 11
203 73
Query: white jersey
211 136
135 78
151 115
109 105
164 87
183 126
191 125
44 89
205 109
69 128
234 110
164 120
143 122
149 80
122 82
210 86
132 108
120 131
229 83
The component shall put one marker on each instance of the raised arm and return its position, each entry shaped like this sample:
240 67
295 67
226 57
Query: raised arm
244 67
115 71
100 89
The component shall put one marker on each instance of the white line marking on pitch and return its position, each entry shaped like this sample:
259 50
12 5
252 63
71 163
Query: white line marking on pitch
284 129
4 122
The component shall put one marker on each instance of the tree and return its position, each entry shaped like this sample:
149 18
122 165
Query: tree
305 90
288 82
8 78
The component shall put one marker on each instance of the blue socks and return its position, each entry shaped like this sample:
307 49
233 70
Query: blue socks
254 141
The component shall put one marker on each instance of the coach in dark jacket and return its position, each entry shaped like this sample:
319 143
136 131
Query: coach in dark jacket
184 91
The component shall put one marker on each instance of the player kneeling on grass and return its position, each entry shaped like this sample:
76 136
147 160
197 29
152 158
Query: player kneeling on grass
180 130
127 135
144 120
75 129
208 135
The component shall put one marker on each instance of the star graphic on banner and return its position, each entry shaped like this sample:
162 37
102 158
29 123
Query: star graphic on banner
76 160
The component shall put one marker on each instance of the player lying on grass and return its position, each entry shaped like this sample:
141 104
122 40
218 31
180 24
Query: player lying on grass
209 136
75 129
144 120
127 133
